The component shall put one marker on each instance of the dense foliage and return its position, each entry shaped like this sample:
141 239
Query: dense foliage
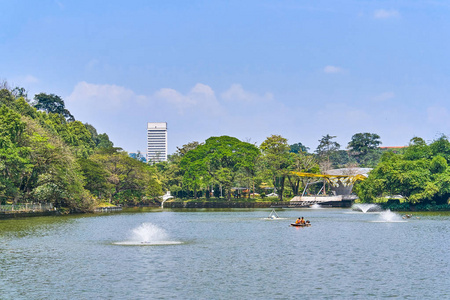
420 175
48 156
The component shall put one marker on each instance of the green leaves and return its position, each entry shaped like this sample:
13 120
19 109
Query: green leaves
364 148
218 160
421 174
52 104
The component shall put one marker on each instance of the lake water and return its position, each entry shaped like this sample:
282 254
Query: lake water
227 254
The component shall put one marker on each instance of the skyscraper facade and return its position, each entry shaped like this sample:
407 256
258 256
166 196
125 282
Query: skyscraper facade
156 142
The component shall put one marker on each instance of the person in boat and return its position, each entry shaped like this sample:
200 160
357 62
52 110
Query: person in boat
300 221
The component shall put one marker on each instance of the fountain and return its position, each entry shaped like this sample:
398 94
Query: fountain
316 206
388 216
166 197
365 207
148 234
273 215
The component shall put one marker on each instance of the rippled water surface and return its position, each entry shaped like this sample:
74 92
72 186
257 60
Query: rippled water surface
228 254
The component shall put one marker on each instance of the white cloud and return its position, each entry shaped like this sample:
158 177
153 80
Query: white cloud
237 93
200 97
385 14
193 115
30 79
106 96
333 70
383 96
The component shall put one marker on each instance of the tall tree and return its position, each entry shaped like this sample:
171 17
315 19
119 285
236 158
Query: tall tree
275 151
52 104
298 147
14 161
417 149
301 162
325 149
218 160
364 148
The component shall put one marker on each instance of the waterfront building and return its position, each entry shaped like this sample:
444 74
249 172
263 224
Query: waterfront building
156 142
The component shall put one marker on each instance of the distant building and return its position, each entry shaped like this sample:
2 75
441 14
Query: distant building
156 142
138 156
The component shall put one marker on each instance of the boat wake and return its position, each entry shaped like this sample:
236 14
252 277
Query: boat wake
148 234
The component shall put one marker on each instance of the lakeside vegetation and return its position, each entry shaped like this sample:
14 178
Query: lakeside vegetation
46 155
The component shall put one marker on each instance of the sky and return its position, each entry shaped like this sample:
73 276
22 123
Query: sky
247 69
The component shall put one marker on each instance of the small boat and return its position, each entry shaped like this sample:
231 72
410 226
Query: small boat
301 225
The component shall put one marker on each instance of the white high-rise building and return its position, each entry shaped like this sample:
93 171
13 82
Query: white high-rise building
156 142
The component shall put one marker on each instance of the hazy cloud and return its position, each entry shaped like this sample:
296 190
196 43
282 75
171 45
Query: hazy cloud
106 96
200 97
385 14
333 70
30 79
237 93
92 64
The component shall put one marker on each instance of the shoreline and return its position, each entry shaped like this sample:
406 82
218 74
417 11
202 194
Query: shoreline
406 207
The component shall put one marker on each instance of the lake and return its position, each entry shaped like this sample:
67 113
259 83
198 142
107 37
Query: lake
226 254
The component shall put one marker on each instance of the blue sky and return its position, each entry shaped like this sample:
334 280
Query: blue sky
248 69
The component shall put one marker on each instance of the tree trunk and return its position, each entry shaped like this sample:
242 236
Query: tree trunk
281 189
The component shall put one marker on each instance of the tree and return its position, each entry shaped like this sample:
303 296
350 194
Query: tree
441 146
364 148
14 162
55 176
298 147
187 147
96 177
52 104
276 158
417 149
326 148
301 162
132 181
416 175
218 160
20 92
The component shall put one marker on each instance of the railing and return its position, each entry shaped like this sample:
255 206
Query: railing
108 209
26 207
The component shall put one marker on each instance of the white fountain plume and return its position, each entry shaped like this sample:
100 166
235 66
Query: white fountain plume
316 206
365 207
389 217
148 234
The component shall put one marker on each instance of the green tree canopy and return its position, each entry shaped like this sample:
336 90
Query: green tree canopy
276 161
298 147
325 150
52 103
218 160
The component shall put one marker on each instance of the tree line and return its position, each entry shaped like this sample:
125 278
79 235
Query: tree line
223 166
46 155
